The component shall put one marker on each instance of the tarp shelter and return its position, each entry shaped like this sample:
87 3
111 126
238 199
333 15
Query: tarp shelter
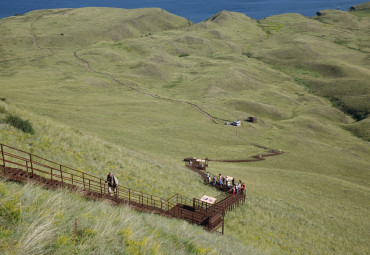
197 163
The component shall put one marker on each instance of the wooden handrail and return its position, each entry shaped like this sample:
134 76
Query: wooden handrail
79 178
53 173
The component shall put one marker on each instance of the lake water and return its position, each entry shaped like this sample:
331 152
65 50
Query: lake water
195 10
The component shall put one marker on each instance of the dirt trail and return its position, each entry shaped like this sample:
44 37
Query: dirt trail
258 157
87 65
33 36
272 152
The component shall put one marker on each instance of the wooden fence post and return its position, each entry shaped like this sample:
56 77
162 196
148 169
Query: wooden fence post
26 168
101 189
31 164
61 173
223 225
2 156
83 179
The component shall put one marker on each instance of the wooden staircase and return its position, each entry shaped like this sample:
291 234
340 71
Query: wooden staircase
22 166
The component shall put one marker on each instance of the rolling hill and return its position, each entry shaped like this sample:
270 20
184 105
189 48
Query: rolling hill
136 91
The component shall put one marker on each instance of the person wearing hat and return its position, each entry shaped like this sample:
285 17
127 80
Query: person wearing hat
112 183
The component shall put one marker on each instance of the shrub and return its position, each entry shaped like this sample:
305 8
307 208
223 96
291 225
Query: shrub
21 124
2 109
247 53
183 55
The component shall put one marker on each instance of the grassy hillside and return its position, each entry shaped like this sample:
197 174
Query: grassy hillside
131 109
36 221
328 54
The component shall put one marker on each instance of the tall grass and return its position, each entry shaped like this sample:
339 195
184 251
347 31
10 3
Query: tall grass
58 222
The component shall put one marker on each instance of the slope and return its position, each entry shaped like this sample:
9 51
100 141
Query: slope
39 221
314 198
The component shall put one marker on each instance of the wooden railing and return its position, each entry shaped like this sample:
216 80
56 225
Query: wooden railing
53 174
35 165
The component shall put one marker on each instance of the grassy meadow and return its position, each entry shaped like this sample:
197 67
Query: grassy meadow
305 79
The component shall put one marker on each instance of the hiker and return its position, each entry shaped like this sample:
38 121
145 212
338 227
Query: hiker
112 183
219 179
236 190
233 182
214 181
207 175
243 189
223 180
239 184
233 190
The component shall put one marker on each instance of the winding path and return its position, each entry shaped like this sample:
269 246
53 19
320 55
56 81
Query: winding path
114 79
87 65
261 157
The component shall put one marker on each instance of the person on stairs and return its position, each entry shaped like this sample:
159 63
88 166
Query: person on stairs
112 183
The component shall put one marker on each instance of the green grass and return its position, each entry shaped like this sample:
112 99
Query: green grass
313 199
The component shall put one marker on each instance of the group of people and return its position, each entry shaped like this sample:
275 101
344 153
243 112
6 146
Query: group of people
221 181
227 182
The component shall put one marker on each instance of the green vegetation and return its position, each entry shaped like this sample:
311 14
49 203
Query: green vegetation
115 115
19 123
183 55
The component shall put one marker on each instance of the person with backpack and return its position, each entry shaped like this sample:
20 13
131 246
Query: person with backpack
112 183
